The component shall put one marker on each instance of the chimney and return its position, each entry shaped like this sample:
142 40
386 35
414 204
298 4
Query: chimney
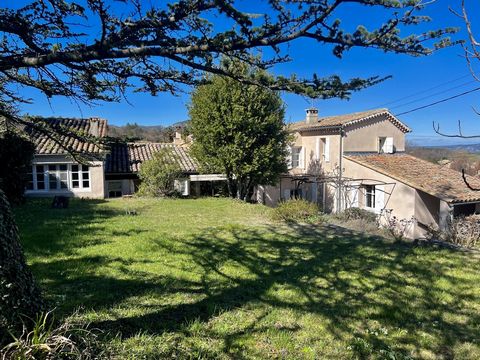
95 127
312 115
177 140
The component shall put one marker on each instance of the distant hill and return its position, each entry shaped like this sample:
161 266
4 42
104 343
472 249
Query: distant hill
471 148
154 133
458 157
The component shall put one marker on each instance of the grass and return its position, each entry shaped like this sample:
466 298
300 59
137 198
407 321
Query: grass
213 278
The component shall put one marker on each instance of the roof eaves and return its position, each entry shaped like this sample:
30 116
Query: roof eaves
316 127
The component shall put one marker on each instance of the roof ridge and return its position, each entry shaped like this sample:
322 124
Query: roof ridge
377 110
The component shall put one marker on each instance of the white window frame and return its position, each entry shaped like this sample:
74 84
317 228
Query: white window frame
372 197
296 151
182 186
56 173
46 178
81 173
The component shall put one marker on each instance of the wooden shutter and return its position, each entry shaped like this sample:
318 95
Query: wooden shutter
326 150
354 197
379 198
301 160
289 157
317 149
388 146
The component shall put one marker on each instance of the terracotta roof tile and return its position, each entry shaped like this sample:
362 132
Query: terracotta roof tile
436 180
77 142
128 157
347 119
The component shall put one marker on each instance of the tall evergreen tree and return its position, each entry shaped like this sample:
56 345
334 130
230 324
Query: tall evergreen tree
239 129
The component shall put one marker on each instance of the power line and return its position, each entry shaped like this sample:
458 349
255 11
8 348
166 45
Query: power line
438 102
424 91
434 94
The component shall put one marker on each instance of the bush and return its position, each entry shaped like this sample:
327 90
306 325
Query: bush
463 231
46 340
158 174
396 227
355 213
296 211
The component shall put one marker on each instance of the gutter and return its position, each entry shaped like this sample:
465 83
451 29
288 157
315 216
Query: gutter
334 127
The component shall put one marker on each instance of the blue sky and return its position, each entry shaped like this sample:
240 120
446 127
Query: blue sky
435 77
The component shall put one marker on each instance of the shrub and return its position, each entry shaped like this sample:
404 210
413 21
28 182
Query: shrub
158 174
398 228
47 341
463 231
355 213
296 211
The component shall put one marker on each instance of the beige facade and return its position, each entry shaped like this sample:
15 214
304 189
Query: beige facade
364 136
320 158
58 175
398 197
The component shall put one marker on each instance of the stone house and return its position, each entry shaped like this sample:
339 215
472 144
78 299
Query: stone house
109 169
359 160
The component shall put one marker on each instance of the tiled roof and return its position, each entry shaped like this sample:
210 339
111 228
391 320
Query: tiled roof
347 119
436 180
128 157
71 134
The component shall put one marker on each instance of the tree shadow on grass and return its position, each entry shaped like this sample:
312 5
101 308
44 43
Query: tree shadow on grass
343 276
54 232
347 279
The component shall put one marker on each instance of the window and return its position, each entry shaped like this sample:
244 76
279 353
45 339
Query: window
55 177
182 186
370 196
296 156
40 177
30 179
114 189
85 177
80 177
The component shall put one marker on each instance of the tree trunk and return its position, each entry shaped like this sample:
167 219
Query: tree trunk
19 294
232 188
242 189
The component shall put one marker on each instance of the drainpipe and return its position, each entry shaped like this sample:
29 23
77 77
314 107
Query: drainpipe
340 172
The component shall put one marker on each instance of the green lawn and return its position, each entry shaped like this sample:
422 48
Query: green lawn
213 278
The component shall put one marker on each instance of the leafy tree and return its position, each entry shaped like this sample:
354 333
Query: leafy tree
16 153
239 130
158 174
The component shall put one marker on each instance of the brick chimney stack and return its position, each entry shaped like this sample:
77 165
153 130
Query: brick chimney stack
312 115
